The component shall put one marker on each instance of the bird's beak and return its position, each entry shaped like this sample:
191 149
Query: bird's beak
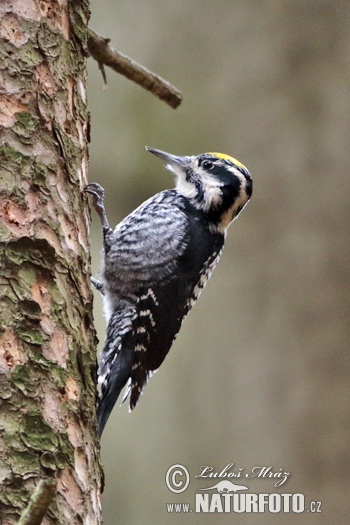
172 162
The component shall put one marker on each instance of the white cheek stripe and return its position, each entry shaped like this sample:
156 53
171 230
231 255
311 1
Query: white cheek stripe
211 187
212 190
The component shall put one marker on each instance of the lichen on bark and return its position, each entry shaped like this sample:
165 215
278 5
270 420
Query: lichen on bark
47 339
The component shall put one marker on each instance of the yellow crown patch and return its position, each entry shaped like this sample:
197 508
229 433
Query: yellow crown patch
227 157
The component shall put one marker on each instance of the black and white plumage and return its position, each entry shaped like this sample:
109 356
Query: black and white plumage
156 263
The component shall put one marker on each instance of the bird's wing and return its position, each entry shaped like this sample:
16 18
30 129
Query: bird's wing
146 244
141 261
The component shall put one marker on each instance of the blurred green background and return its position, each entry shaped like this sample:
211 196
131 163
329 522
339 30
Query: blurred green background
259 375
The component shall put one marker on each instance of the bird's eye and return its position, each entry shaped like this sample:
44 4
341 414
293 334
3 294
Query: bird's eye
207 164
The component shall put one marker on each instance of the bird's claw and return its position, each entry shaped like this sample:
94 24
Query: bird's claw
98 195
96 190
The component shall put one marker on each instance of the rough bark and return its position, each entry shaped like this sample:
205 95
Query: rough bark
47 340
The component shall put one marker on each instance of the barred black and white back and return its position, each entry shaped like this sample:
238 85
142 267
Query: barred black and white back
156 263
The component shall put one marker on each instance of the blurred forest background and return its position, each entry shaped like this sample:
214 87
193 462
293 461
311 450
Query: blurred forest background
259 375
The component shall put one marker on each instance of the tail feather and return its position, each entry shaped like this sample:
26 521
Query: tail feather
116 362
117 378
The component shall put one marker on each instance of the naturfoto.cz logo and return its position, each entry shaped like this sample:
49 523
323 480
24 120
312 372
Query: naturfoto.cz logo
225 496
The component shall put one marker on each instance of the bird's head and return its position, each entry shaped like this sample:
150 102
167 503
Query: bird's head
215 183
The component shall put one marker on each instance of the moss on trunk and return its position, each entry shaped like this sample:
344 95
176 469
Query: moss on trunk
47 339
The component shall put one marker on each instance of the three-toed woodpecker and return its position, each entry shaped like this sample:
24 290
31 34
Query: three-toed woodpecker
156 263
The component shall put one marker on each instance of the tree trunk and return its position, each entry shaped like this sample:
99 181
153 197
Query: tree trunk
47 339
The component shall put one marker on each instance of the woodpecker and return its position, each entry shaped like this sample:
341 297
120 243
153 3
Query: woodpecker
156 263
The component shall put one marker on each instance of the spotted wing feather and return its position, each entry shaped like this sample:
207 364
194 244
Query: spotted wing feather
143 248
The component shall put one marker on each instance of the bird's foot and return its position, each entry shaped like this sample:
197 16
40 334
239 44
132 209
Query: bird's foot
98 195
